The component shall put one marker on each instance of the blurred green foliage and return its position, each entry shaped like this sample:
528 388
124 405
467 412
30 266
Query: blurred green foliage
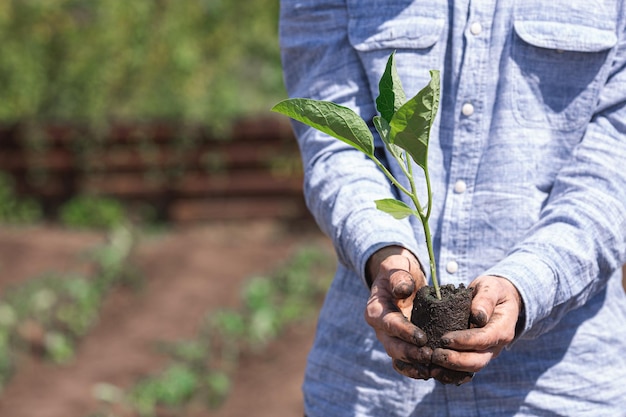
92 212
201 369
96 61
13 209
47 315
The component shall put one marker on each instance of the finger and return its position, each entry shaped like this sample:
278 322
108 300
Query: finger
490 293
385 317
472 340
448 376
495 335
484 301
462 361
402 283
402 288
407 352
395 325
412 370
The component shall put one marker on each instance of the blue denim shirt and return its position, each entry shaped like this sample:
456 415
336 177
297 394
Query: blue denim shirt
528 169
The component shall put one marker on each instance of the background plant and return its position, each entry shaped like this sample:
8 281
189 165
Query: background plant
47 315
200 369
94 212
14 209
103 63
96 61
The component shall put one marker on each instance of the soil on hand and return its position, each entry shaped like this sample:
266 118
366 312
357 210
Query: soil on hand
437 317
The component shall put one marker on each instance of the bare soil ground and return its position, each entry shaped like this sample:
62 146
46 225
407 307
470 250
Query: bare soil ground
187 273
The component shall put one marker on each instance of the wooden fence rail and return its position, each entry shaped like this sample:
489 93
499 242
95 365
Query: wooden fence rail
185 173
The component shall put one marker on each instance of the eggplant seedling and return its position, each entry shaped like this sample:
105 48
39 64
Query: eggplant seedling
404 127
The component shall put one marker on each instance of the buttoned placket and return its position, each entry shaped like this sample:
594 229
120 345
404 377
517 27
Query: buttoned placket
466 151
467 145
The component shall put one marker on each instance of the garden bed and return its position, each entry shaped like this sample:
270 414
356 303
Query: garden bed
187 272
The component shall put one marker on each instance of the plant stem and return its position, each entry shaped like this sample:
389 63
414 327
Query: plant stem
407 168
429 192
429 241
390 176
431 257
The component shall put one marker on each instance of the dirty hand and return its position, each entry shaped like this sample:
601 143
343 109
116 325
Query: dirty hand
395 277
496 308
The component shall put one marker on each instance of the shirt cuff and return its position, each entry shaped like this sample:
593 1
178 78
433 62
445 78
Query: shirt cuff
536 282
376 230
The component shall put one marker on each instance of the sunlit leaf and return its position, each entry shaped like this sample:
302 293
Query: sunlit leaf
391 94
335 120
394 207
411 124
383 129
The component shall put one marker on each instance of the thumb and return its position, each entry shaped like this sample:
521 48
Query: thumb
490 292
402 284
483 303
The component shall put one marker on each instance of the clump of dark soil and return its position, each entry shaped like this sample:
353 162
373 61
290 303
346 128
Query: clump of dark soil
437 317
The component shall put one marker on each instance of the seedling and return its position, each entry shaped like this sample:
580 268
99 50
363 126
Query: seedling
404 127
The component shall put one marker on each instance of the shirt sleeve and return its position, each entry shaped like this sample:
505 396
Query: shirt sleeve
579 242
340 183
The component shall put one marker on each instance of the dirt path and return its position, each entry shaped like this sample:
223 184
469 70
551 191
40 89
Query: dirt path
187 273
269 386
26 252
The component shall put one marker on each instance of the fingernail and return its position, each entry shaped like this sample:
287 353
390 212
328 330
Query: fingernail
445 341
423 355
402 291
419 337
439 357
479 319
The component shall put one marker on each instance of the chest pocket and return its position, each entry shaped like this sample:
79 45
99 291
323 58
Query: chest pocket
559 54
395 24
376 28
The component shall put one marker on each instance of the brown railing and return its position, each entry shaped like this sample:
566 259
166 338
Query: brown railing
186 173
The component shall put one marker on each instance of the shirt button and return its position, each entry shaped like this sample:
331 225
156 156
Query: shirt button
476 28
452 267
460 187
467 109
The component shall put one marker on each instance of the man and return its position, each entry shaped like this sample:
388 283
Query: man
527 162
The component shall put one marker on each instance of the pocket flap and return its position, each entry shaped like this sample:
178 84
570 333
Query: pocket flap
567 25
412 26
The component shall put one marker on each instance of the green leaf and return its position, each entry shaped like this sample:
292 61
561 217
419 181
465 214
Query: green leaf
396 208
383 129
337 121
411 124
391 94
